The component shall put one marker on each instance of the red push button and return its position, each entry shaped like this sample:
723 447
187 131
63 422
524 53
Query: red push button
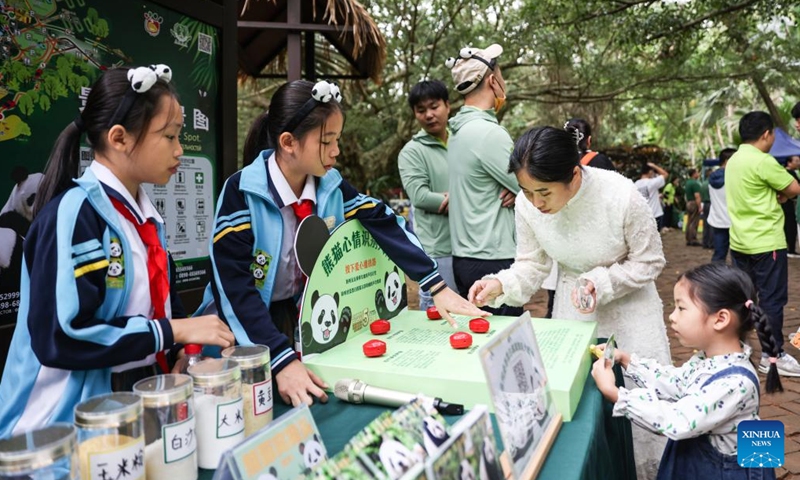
379 327
479 325
374 348
461 340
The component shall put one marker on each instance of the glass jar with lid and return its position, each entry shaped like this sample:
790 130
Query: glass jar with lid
170 438
111 436
45 454
218 408
256 384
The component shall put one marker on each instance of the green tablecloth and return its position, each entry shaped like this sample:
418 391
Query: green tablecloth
592 446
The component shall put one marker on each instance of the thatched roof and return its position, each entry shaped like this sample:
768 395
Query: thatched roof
356 36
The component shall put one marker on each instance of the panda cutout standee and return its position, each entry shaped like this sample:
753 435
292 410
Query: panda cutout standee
328 326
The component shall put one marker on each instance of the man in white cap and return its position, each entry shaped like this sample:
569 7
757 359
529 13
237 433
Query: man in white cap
482 191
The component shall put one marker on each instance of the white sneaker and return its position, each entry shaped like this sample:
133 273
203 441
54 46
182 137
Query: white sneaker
787 365
792 255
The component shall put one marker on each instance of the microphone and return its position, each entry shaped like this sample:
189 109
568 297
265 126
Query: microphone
356 391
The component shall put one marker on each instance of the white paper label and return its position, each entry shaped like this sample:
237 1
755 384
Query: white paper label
262 397
126 462
230 419
179 440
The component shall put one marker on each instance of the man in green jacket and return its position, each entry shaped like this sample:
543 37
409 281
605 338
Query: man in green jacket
481 188
423 171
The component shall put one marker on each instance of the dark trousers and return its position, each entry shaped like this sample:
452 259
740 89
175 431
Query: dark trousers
722 243
469 270
692 219
668 216
660 222
790 225
770 274
708 230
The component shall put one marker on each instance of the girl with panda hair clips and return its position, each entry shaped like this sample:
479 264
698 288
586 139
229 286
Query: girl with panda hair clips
293 149
699 405
96 306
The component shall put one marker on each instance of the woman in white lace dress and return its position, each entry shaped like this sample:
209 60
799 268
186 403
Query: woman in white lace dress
601 232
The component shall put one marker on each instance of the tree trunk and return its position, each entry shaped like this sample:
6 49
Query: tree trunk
764 93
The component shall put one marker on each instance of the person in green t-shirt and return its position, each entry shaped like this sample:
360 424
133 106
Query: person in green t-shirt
694 207
755 185
423 170
669 201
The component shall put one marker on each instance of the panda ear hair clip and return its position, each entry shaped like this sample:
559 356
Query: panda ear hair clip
142 79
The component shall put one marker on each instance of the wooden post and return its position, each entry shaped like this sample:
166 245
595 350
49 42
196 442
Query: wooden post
294 44
311 57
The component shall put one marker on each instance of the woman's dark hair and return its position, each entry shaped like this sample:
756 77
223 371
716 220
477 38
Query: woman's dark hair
427 90
547 154
753 125
106 95
287 100
581 131
716 286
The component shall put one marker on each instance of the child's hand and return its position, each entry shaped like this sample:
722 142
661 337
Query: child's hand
621 357
604 378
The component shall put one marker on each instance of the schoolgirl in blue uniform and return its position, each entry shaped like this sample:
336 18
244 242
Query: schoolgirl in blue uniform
294 148
699 405
95 301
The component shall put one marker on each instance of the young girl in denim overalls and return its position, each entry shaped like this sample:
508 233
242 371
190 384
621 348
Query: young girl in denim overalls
699 405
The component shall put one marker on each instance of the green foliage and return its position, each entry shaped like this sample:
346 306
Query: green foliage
675 74
204 72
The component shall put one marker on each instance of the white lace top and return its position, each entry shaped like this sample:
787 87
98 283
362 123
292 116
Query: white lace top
673 402
607 234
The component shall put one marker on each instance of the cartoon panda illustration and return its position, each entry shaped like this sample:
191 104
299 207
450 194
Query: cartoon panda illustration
114 268
313 453
261 259
465 470
328 326
15 220
435 434
258 273
489 469
396 458
393 297
272 474
115 249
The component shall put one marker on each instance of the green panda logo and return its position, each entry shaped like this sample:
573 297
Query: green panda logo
115 275
260 266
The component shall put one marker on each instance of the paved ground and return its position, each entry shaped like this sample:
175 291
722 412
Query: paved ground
783 406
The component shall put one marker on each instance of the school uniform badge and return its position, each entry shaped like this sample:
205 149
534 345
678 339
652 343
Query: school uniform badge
260 266
115 275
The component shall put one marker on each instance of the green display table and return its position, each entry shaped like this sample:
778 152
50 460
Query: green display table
592 446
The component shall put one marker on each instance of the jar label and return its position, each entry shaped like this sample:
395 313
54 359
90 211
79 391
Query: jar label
230 420
262 397
179 440
126 462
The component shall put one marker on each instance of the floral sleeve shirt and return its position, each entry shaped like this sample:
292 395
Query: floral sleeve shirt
673 402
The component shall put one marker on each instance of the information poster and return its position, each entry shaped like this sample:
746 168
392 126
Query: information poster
50 54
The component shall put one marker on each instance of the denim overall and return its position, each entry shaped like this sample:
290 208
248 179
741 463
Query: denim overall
697 458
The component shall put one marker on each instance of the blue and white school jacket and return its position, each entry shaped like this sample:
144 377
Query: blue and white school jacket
248 219
70 328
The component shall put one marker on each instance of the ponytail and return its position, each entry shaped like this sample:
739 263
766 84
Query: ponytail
257 139
768 346
61 168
